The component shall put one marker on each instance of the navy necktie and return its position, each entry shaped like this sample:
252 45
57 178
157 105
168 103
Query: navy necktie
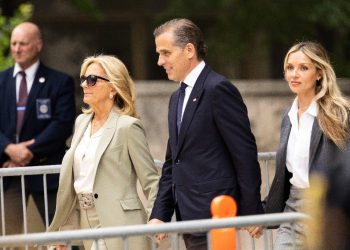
22 102
180 105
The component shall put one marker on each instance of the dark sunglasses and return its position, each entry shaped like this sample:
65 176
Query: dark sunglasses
91 80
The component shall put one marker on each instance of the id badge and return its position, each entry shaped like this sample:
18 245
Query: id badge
43 108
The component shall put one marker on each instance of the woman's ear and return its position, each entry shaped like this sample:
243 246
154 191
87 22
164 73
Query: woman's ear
114 91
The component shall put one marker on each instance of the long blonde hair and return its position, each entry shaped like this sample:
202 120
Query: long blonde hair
119 79
332 106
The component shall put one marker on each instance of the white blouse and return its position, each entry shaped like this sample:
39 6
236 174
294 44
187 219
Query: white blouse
298 148
84 157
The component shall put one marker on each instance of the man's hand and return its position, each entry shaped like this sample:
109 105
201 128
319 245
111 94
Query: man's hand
19 153
158 237
10 164
255 232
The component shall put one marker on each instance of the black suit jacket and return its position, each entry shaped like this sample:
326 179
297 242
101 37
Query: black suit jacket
50 133
214 154
324 157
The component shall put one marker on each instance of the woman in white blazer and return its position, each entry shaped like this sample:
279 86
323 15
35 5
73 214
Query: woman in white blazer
109 152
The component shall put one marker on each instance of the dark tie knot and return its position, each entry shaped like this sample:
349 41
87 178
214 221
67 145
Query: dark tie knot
22 73
183 86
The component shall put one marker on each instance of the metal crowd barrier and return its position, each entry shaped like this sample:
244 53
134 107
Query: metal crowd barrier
66 237
53 169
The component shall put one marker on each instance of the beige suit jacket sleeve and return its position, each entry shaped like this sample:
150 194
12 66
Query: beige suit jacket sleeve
143 163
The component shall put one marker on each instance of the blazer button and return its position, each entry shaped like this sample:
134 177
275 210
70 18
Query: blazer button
177 161
96 196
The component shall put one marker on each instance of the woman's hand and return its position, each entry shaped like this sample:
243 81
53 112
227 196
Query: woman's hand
158 237
255 232
61 247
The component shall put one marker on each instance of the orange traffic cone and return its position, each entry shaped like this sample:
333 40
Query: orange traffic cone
223 206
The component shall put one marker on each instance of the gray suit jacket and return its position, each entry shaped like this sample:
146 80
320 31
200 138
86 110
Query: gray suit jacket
325 157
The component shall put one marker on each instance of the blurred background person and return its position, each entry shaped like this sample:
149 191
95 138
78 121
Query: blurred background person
329 208
36 118
314 134
109 152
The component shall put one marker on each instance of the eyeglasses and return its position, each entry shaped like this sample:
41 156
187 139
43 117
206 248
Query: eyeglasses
91 80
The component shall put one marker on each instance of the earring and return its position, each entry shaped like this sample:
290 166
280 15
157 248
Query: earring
111 96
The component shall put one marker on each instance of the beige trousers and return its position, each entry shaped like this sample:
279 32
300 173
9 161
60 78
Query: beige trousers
89 219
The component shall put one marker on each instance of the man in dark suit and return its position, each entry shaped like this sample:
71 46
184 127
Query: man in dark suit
211 150
36 118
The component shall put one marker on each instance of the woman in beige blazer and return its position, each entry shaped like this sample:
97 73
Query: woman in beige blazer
109 152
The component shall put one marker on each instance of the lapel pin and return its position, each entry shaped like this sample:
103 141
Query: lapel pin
42 79
195 99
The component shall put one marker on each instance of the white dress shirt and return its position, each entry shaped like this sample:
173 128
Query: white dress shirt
298 148
30 76
190 80
84 158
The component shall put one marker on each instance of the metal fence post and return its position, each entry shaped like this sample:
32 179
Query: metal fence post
253 243
181 237
125 239
238 239
24 203
154 247
96 243
267 193
265 239
46 202
209 240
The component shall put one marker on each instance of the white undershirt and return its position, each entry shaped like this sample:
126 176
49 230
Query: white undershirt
298 148
84 157
190 80
30 76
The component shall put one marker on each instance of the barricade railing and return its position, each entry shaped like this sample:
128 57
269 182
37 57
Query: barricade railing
54 169
66 237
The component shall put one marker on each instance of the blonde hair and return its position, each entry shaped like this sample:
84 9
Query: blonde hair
333 108
119 79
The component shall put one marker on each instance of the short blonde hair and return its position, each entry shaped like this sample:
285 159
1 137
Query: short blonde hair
119 79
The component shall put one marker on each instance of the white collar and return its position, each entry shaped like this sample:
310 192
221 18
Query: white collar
30 72
192 77
312 109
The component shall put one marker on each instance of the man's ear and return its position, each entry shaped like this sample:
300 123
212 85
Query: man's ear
190 50
39 45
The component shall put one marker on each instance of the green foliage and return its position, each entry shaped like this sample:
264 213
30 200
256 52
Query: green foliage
237 22
7 24
87 7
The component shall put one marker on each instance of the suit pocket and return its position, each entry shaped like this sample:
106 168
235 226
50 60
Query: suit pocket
113 149
131 204
213 185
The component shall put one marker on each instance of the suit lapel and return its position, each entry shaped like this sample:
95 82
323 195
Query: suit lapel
284 141
316 135
191 106
107 134
31 102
